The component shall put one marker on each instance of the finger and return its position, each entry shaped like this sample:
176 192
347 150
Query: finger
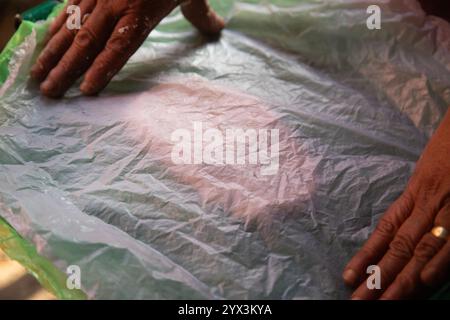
401 251
60 20
58 45
378 242
408 281
128 35
202 16
437 270
88 42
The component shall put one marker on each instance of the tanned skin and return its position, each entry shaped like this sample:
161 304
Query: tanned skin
111 32
412 261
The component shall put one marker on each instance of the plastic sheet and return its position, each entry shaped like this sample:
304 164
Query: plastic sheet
90 181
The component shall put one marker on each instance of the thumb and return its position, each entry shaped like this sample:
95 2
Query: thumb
202 16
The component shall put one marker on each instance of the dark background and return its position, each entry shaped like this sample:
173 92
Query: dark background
8 9
437 7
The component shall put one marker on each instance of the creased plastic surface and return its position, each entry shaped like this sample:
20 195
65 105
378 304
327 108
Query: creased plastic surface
91 183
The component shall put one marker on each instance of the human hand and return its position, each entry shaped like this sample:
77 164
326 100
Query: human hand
411 259
111 32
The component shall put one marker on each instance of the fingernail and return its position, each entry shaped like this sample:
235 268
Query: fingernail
49 89
84 87
36 70
47 86
87 89
350 276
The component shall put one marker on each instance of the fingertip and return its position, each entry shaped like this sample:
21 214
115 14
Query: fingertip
214 27
49 89
217 25
350 277
88 89
46 86
220 22
203 18
37 71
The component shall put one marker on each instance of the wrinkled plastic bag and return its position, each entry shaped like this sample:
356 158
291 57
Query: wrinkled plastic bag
90 181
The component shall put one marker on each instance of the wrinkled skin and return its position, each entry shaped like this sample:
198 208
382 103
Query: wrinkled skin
411 259
112 30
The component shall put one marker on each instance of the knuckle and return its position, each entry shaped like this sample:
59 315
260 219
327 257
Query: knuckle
404 203
85 39
402 247
65 36
67 33
119 44
402 207
425 250
385 227
367 251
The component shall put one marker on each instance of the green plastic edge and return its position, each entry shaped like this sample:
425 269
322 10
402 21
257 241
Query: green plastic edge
40 12
11 242
51 278
25 29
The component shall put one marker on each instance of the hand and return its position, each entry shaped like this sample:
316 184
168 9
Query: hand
111 32
410 258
